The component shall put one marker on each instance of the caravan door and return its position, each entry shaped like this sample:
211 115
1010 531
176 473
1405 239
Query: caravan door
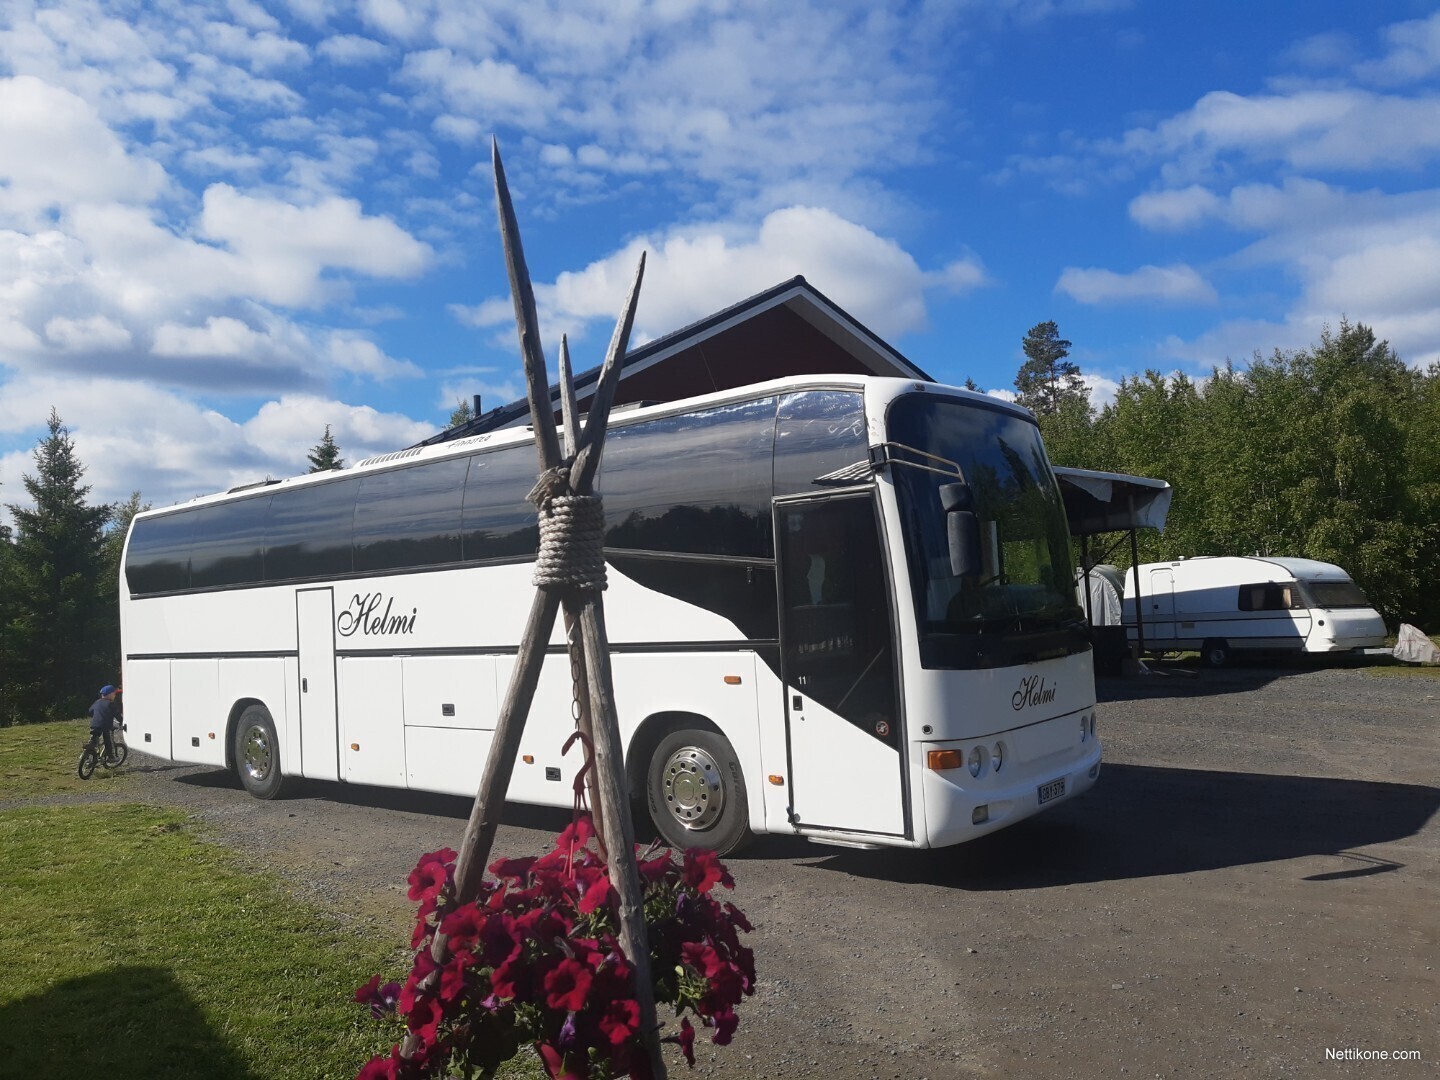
1160 618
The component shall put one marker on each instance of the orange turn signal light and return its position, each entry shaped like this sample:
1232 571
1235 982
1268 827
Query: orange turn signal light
940 760
732 680
212 734
778 781
354 746
529 759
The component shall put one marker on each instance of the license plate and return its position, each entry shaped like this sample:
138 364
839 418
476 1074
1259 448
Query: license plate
1052 790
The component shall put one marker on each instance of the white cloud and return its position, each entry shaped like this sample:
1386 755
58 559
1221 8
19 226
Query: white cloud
351 49
1177 208
170 448
1413 53
1166 284
92 334
694 271
284 248
1343 129
56 151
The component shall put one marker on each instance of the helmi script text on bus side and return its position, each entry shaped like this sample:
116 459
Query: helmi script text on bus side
361 616
1033 691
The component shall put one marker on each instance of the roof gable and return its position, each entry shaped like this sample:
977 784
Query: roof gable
789 329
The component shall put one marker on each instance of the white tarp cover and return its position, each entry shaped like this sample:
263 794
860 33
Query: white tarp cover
1414 647
1106 589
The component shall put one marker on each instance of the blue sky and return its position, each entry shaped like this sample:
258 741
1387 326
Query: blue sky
224 226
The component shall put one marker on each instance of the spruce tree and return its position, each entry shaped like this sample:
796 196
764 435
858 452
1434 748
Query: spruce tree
1047 380
325 455
58 632
463 413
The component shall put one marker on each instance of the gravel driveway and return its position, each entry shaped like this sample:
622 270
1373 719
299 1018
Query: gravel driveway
1254 881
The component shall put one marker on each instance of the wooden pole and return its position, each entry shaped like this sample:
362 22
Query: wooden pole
583 608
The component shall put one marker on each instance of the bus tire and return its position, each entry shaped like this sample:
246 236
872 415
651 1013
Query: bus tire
257 753
1215 653
696 792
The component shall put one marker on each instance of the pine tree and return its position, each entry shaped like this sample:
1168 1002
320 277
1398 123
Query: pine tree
325 455
58 633
463 413
1047 380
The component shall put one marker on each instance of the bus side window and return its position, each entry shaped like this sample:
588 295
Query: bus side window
227 544
817 432
308 532
497 520
158 559
410 517
697 483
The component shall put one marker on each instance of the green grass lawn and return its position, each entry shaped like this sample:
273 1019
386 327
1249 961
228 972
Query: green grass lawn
135 949
40 759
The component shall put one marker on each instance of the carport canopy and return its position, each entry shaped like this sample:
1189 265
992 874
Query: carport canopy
1103 502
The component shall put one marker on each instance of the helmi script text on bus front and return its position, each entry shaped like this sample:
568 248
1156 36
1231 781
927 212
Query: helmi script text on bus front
362 616
1033 691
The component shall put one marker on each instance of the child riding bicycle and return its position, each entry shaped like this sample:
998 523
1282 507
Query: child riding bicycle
105 717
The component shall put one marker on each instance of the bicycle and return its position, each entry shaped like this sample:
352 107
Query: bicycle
93 753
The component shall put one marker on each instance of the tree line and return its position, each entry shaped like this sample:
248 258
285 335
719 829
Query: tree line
59 584
1330 452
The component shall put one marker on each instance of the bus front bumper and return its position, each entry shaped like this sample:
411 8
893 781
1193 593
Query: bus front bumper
957 808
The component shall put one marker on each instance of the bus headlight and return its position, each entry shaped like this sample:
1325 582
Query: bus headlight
1092 725
977 761
1084 727
998 754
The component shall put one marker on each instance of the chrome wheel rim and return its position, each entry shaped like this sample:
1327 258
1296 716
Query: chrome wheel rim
692 788
257 756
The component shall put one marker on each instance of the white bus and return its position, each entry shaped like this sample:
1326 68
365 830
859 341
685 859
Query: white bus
793 649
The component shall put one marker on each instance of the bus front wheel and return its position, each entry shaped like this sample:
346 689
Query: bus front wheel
696 792
257 753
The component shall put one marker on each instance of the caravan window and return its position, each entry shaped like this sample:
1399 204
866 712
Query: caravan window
1270 596
1336 594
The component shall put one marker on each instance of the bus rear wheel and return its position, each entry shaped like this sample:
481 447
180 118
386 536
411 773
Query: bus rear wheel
696 792
257 753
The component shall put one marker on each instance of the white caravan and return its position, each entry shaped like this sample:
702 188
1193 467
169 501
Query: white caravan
839 607
1218 605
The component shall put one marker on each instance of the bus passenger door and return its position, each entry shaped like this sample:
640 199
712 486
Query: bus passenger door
838 659
319 739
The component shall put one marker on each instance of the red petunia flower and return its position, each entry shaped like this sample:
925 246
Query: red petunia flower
559 1065
703 870
567 985
463 926
620 1020
427 879
382 1068
424 1020
686 1039
725 1024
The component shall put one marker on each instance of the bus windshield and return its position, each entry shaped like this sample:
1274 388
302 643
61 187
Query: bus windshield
1023 604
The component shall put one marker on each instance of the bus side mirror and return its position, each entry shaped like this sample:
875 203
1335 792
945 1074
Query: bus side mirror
956 496
963 532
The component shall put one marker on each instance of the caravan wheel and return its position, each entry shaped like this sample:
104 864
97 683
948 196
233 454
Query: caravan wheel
1216 653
